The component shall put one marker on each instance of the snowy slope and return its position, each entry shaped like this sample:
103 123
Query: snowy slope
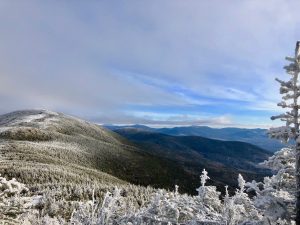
42 147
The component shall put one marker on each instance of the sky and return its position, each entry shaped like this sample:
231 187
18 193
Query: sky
152 62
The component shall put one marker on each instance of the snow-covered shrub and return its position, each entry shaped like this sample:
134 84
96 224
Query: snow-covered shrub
208 195
92 212
239 208
275 196
13 203
163 208
174 208
273 203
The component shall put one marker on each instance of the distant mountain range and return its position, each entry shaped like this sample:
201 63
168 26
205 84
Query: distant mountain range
256 136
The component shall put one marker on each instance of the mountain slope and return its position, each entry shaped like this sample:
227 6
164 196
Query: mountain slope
223 159
42 148
49 150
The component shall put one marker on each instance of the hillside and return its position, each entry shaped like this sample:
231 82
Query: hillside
256 136
43 149
223 159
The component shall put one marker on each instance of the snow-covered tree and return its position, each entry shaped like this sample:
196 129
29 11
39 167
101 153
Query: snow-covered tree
239 208
275 195
291 92
163 208
13 203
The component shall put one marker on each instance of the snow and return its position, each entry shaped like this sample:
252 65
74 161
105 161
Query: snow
30 118
204 177
2 129
40 118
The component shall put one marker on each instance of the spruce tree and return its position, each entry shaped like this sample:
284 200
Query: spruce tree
290 91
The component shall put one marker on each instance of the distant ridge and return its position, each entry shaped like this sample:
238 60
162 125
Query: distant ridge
255 136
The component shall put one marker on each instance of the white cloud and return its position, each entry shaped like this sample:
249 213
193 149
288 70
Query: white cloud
213 49
165 119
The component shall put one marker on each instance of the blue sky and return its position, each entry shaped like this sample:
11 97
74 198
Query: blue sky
159 63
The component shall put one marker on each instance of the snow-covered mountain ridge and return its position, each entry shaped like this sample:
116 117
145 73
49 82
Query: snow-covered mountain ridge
44 140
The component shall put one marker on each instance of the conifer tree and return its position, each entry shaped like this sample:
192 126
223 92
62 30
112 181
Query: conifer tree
290 91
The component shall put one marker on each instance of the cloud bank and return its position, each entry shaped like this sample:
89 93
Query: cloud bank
147 62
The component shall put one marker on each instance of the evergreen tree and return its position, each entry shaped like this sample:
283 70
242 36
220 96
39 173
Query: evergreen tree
291 91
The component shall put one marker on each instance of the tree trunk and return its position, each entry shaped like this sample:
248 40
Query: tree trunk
298 184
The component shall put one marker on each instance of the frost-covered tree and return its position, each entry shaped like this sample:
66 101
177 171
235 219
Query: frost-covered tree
13 203
239 208
163 208
275 195
291 92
